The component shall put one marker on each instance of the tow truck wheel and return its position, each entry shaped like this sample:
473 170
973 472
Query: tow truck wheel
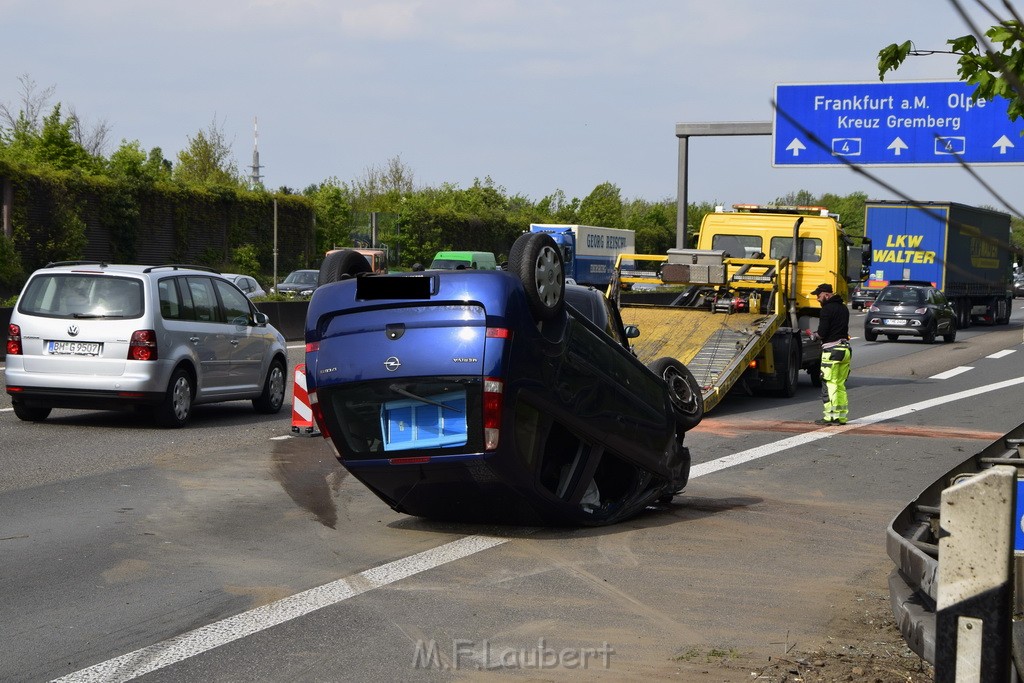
341 265
791 373
534 258
683 390
815 373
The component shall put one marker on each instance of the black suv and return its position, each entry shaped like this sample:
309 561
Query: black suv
913 308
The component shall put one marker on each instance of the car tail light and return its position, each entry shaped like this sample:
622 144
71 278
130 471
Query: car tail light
318 415
13 340
498 333
312 346
143 345
493 395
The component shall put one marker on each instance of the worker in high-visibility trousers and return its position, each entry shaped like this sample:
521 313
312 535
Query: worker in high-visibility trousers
834 333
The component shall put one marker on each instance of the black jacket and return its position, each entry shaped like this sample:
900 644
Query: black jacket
834 323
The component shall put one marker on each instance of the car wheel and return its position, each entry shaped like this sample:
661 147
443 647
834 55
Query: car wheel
176 407
272 398
870 335
683 390
341 265
536 261
950 336
929 335
31 413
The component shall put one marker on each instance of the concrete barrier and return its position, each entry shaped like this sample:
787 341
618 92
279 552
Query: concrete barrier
289 317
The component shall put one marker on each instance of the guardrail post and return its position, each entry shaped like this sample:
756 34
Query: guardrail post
975 596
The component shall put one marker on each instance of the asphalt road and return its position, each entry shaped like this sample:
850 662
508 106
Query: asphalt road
234 551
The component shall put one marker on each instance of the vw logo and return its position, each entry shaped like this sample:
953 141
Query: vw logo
392 364
73 330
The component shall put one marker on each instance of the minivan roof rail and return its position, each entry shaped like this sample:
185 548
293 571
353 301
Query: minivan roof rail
54 264
176 266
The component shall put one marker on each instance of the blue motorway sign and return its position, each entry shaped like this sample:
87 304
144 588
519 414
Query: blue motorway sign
887 123
1018 526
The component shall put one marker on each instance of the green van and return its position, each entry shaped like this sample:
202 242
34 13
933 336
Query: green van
464 260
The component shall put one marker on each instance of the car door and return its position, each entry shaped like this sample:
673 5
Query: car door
945 317
210 336
248 343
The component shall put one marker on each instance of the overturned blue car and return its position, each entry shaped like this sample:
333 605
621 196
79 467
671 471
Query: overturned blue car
494 396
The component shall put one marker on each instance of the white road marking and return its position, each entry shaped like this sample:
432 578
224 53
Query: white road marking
828 432
205 638
1001 354
952 373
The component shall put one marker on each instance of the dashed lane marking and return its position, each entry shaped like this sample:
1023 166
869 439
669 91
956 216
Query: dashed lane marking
953 372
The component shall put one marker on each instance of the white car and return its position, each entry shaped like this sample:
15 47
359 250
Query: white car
157 338
249 286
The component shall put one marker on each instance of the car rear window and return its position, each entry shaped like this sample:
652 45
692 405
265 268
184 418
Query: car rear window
435 416
82 295
901 295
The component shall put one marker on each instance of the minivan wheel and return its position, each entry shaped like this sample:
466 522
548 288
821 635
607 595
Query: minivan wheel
176 407
537 262
683 390
272 398
31 413
341 265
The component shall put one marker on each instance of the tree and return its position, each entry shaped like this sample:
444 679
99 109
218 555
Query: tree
129 161
33 103
332 206
207 160
56 145
992 72
602 207
93 140
382 189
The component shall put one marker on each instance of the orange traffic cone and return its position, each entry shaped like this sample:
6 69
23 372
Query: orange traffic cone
302 412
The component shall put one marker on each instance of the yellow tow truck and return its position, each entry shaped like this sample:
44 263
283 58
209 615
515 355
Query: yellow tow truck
735 310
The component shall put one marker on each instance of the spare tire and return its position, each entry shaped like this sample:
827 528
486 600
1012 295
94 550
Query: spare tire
341 265
536 260
683 389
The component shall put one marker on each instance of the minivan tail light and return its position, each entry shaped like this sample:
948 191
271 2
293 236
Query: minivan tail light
143 345
13 340
493 398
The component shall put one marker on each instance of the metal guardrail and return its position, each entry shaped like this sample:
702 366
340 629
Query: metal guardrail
912 542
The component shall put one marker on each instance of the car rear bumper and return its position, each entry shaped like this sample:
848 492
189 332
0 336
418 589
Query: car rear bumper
86 399
151 378
900 330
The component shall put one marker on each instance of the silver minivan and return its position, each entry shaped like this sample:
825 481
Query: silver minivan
154 338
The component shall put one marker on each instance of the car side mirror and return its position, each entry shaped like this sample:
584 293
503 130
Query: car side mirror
631 331
261 319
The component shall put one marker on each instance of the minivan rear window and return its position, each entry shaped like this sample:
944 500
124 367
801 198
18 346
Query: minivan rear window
82 295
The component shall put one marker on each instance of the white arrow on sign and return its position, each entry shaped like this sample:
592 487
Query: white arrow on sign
1002 143
795 147
897 146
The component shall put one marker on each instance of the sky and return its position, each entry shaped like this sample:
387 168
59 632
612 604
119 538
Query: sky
537 95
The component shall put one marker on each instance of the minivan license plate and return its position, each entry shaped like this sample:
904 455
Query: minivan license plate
73 348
